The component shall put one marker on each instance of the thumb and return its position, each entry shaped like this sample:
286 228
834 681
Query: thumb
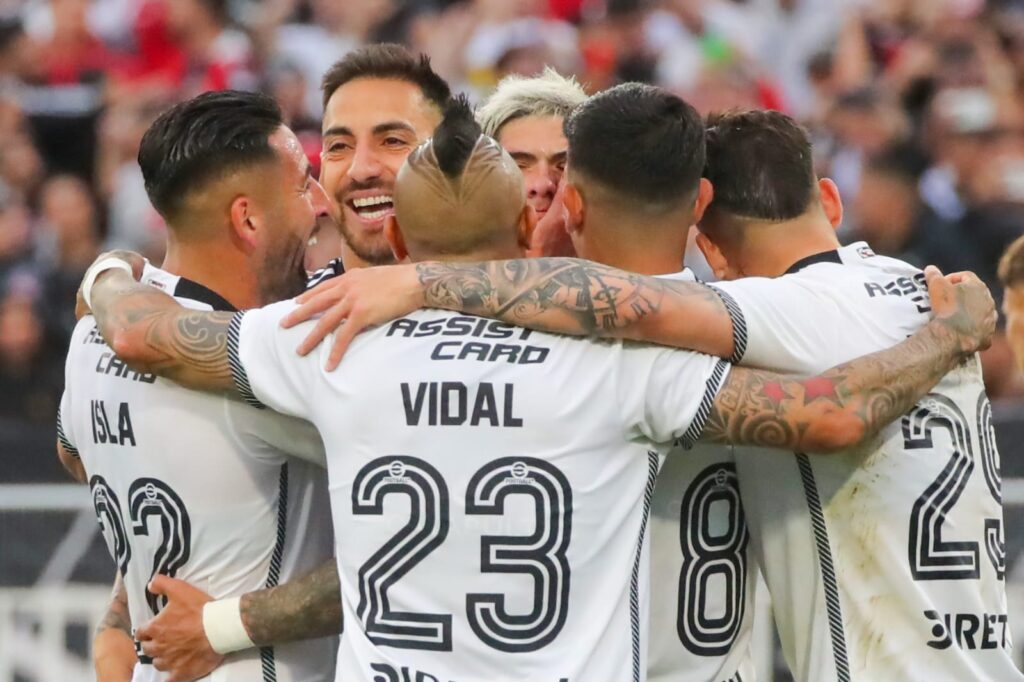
161 584
939 288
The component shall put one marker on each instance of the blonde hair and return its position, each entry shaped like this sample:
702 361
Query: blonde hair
549 94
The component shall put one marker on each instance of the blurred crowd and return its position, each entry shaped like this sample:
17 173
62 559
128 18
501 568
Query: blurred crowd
915 107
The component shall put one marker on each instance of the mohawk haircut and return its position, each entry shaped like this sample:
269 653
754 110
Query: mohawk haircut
455 137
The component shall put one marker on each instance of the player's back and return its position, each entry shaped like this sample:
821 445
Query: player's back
491 488
703 569
885 562
184 485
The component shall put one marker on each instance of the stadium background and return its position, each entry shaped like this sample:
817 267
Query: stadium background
914 106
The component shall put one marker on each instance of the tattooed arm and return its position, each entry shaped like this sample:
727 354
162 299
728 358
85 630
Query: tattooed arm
113 649
837 409
304 608
564 295
853 401
153 333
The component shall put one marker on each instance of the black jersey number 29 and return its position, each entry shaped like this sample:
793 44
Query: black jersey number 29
933 556
152 506
540 555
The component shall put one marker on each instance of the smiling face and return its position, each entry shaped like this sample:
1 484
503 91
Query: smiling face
370 126
539 148
291 214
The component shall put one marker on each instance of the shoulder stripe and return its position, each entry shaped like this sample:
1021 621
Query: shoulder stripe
634 583
238 372
739 325
828 571
63 439
714 384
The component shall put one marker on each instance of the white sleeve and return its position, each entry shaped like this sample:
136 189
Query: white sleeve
268 435
267 369
779 323
669 392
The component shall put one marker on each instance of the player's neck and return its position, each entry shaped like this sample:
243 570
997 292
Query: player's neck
219 269
648 250
780 245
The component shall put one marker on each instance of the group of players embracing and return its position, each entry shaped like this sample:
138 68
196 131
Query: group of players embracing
477 466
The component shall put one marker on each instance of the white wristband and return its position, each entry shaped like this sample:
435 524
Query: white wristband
94 271
222 622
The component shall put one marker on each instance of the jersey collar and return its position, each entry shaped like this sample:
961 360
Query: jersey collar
186 288
823 257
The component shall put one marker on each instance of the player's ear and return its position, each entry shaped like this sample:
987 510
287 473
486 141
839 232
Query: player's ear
831 202
246 221
705 193
527 224
575 208
713 255
393 234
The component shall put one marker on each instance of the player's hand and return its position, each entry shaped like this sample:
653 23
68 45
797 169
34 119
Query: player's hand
175 639
133 259
349 304
550 237
964 304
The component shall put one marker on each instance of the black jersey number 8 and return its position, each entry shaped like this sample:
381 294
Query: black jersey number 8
711 547
540 555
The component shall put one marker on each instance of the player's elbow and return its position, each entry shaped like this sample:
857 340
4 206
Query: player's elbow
130 347
834 433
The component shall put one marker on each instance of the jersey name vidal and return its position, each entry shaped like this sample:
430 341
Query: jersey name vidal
885 562
196 487
702 568
491 489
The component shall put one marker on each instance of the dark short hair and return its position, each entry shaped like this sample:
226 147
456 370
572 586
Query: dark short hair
1011 264
759 163
456 136
197 140
639 141
388 61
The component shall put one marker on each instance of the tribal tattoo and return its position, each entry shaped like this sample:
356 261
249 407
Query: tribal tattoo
838 408
153 333
578 297
303 608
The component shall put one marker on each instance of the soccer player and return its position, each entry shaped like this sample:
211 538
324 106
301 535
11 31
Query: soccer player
187 484
884 563
633 188
380 101
1011 276
446 449
525 116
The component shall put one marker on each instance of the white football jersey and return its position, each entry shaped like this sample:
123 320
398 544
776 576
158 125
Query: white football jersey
197 487
884 563
491 486
702 568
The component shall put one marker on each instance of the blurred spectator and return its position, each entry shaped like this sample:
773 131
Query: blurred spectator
217 56
68 244
1011 277
895 221
31 370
